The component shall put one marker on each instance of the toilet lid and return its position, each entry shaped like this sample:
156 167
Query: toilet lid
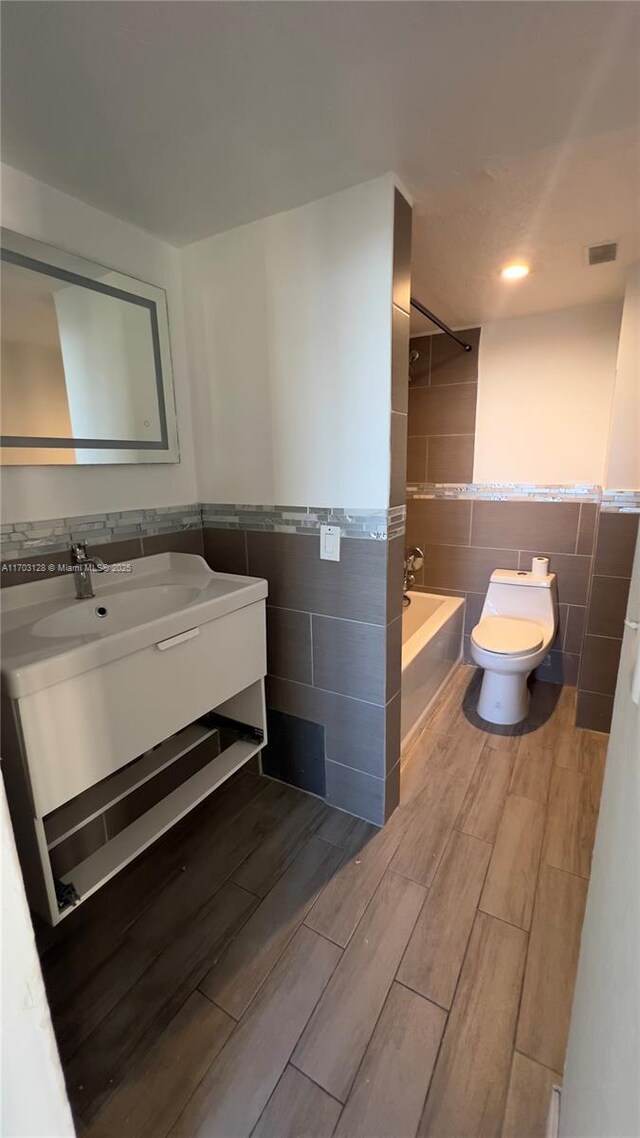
508 635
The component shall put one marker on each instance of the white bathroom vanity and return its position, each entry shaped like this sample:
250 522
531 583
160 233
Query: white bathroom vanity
99 696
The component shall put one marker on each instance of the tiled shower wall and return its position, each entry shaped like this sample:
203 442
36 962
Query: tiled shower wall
466 531
442 408
608 594
464 541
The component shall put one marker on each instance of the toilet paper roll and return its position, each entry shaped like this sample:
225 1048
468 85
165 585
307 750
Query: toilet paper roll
540 566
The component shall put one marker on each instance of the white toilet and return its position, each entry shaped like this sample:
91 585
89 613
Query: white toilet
515 632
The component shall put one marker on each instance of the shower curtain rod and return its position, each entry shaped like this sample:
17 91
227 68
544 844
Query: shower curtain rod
440 323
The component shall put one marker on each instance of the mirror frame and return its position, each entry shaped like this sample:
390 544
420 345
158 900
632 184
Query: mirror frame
17 249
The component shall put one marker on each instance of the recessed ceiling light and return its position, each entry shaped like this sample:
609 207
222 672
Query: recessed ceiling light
515 272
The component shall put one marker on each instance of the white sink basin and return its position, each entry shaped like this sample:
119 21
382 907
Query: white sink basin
48 636
101 616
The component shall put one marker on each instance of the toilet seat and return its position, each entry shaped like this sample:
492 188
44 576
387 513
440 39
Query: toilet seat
508 635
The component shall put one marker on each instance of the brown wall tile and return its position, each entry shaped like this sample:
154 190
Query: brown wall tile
612 566
358 734
473 610
115 552
398 487
574 630
356 792
395 574
559 668
355 655
450 458
354 587
392 718
416 458
587 527
562 527
525 525
594 712
182 541
350 658
392 790
444 410
399 359
432 521
438 592
572 572
394 658
419 371
402 219
607 606
600 661
22 570
615 545
558 641
289 644
225 550
450 363
464 568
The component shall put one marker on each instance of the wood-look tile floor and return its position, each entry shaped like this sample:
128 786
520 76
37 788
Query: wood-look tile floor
275 968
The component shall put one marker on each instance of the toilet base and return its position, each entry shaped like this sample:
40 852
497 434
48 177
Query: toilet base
504 699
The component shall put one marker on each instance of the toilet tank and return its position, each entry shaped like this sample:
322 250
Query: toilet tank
518 593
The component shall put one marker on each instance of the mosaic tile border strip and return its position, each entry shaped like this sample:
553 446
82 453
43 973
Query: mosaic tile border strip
621 501
55 534
507 492
379 525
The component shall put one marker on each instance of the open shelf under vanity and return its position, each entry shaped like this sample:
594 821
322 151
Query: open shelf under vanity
111 736
229 748
71 851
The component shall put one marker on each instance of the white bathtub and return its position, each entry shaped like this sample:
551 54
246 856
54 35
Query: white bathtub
432 628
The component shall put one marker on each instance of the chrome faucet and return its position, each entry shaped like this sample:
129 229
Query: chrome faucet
413 560
82 566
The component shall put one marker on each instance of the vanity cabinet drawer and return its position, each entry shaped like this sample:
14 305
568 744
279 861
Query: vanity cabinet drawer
83 729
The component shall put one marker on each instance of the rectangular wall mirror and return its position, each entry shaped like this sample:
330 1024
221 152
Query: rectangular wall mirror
86 363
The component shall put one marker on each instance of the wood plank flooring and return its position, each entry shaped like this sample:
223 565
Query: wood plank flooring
276 969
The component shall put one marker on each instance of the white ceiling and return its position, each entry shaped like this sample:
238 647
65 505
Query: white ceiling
544 209
514 124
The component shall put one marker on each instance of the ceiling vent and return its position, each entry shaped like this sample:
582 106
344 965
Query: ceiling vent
602 254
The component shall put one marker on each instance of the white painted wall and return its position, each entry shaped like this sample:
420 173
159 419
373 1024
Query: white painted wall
623 467
290 349
601 1086
33 493
545 389
289 332
33 1099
